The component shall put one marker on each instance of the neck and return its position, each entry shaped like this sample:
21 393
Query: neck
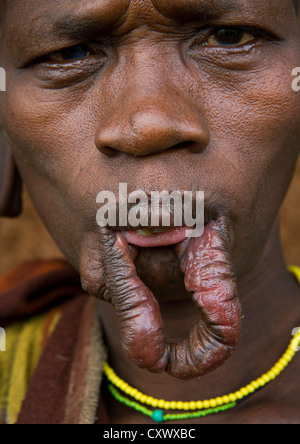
271 307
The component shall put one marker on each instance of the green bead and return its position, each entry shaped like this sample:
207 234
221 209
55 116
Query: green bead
158 416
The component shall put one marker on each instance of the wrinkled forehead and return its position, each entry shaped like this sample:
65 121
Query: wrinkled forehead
33 22
136 10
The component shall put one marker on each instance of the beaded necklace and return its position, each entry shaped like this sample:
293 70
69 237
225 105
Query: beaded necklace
197 409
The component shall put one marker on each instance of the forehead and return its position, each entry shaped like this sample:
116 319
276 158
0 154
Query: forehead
113 11
36 25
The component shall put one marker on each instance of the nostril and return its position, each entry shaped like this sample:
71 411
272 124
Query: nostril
184 144
192 146
108 151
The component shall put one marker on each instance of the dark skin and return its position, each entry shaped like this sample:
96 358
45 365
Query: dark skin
154 98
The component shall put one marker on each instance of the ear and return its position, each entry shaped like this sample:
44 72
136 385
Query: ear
10 181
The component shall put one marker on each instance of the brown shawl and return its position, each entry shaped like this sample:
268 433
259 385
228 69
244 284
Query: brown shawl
65 386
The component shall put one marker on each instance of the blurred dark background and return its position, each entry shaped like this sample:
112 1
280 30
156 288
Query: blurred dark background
26 237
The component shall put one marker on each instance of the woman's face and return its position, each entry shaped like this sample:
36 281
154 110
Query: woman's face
161 95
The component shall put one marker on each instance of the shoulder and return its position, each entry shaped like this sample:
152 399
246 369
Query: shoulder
45 317
36 286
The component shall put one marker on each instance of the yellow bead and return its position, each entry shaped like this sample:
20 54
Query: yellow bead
226 399
288 358
180 405
213 403
232 397
219 401
244 392
134 392
155 403
251 388
167 405
161 403
193 405
272 374
238 395
143 399
284 362
172 405
280 366
199 405
275 369
186 406
130 391
266 379
206 404
138 396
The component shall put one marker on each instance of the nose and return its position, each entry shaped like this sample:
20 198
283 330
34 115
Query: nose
145 124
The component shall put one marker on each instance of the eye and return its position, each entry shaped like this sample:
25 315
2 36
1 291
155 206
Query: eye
229 37
70 54
74 53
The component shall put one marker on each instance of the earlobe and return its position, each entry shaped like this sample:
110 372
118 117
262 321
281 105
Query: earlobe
10 181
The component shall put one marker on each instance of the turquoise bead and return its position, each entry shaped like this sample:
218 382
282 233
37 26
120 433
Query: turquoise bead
158 416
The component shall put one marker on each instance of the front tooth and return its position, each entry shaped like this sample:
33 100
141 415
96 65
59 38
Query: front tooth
161 230
145 232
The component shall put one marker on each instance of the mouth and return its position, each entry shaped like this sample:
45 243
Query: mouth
157 237
206 265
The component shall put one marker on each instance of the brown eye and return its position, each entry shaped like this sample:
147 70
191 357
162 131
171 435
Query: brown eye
229 37
69 54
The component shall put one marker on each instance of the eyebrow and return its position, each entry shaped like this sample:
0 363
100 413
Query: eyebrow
80 27
87 26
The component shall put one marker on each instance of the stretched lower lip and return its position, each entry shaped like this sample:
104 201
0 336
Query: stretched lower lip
164 239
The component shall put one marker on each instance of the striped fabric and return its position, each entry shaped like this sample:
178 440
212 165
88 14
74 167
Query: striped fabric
51 371
24 345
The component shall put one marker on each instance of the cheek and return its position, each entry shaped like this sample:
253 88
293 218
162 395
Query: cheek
53 139
52 135
257 127
43 126
255 131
